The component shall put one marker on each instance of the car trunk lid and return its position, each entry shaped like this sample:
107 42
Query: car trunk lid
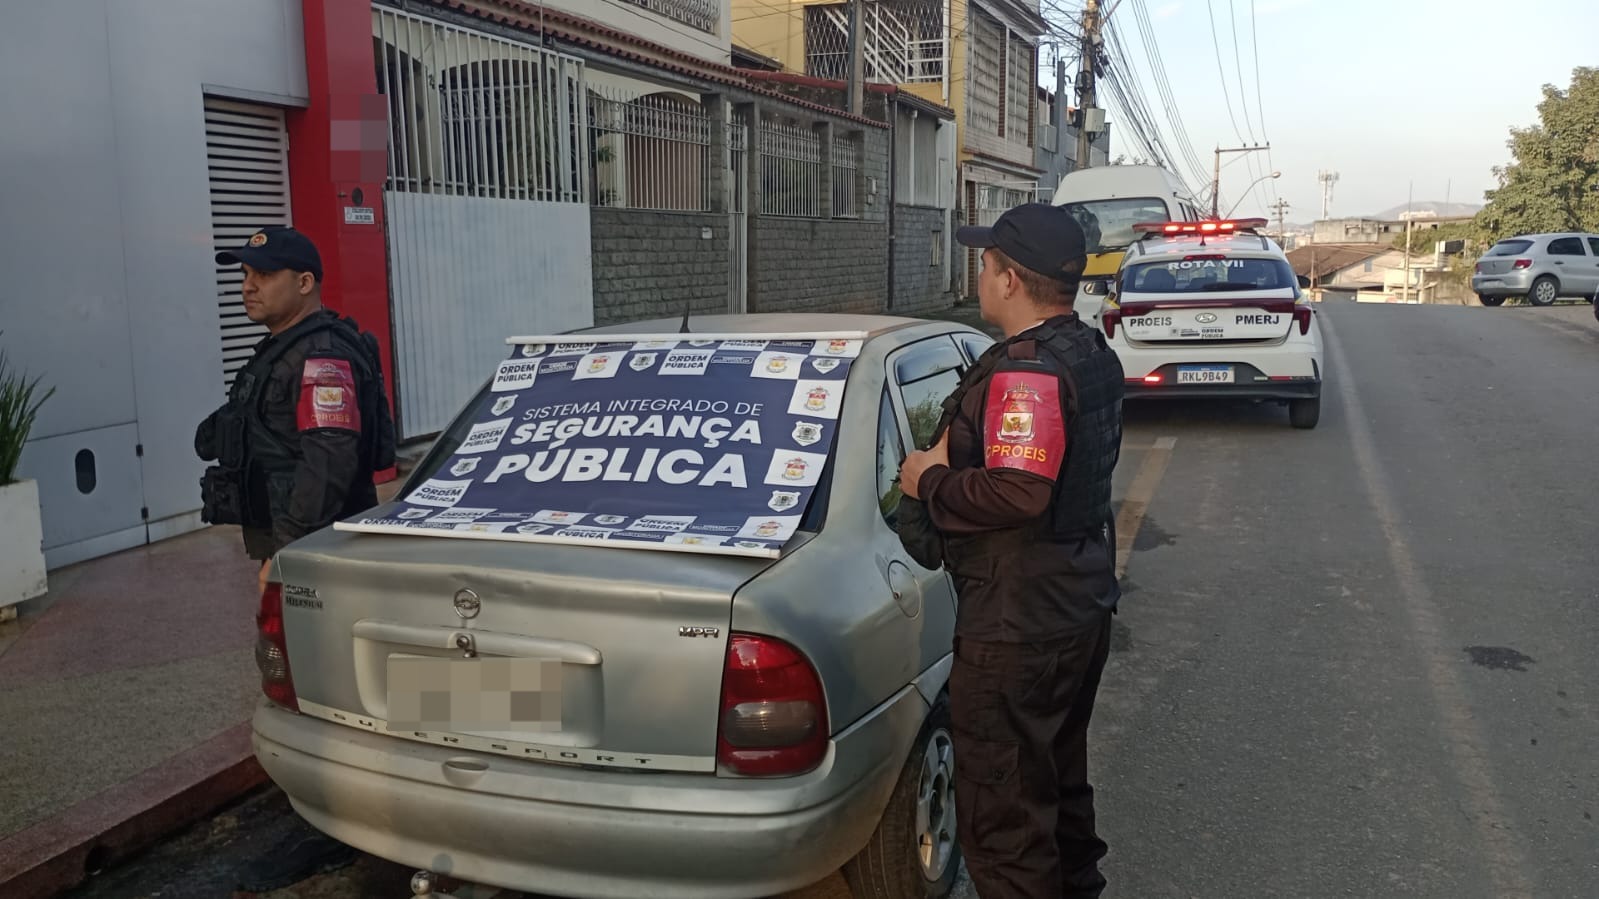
1208 318
584 655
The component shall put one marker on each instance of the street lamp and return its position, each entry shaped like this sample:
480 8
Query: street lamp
1250 188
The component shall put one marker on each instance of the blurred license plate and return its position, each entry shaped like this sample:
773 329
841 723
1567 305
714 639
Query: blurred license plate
474 695
1205 374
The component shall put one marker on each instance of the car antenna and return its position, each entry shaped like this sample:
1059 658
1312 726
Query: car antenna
687 305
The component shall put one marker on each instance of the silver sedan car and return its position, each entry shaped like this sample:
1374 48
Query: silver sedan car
467 684
1540 267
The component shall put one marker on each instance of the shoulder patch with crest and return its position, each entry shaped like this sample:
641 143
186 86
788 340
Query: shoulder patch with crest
1023 427
327 396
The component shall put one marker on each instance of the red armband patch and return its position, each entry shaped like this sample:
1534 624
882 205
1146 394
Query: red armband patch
1023 427
327 396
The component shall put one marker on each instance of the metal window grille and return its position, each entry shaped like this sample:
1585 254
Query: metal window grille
706 15
986 73
247 159
791 170
472 114
846 165
650 152
905 41
1019 91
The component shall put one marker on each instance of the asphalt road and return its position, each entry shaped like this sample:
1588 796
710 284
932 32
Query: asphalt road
1353 661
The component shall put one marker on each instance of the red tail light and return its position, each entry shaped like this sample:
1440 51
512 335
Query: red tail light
774 717
1302 315
1477 269
272 652
1152 379
1522 263
1108 319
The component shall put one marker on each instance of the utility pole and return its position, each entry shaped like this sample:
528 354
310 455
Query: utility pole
1409 219
1281 208
1085 77
857 58
1215 181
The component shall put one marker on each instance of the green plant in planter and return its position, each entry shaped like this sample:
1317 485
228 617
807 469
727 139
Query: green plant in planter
18 407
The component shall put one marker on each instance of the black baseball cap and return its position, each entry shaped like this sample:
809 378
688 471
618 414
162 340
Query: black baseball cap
1037 236
274 249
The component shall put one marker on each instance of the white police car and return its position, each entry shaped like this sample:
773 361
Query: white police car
1213 309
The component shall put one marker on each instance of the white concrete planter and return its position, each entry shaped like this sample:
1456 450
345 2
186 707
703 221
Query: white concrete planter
22 574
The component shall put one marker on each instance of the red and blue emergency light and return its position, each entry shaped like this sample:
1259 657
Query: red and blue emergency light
1214 226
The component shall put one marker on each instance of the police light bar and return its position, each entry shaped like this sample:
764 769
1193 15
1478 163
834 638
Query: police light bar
1222 226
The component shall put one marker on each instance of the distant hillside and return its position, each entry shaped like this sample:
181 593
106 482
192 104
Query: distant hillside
1441 209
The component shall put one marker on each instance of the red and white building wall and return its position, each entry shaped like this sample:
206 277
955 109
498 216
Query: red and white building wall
142 137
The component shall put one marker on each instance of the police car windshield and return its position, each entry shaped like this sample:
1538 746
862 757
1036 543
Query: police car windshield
1108 224
1208 274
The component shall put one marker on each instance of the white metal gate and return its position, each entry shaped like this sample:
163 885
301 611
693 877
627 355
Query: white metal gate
738 218
486 200
247 154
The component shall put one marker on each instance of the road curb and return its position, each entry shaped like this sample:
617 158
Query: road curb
55 855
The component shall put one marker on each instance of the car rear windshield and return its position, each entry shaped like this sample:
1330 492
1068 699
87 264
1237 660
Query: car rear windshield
1510 247
1108 224
715 441
1208 273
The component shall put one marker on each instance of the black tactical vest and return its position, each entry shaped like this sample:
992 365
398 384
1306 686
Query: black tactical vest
1094 377
1094 384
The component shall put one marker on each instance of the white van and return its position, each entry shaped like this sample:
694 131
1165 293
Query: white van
1107 202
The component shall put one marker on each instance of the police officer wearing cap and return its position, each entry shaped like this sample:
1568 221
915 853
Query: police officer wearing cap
305 426
1013 499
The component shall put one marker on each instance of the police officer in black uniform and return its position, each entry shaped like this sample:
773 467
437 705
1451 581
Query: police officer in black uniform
305 426
1014 499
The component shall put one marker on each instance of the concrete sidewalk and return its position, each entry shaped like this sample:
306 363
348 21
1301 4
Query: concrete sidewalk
124 698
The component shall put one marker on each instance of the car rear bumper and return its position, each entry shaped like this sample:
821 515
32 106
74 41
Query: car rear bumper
585 832
1515 283
1247 387
1288 370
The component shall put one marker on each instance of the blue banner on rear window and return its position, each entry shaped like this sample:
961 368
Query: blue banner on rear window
688 444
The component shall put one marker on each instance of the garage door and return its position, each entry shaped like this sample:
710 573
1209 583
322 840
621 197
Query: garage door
247 150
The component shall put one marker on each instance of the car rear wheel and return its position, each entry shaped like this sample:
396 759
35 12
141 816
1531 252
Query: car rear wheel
1304 413
1544 291
914 853
1490 301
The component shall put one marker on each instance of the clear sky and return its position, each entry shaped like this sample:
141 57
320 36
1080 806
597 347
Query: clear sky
1384 92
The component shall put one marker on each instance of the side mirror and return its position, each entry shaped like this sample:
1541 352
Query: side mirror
1097 287
1304 282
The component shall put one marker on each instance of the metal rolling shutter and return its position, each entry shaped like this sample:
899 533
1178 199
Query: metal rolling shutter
247 153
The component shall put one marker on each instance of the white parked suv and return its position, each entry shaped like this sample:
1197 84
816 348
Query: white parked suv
1213 309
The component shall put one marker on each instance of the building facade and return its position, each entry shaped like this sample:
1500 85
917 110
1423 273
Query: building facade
978 58
470 169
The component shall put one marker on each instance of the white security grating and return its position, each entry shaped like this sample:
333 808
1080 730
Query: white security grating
650 152
476 115
846 166
906 41
791 170
247 156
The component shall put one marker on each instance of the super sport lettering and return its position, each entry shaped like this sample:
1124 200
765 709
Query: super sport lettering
327 396
1023 428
